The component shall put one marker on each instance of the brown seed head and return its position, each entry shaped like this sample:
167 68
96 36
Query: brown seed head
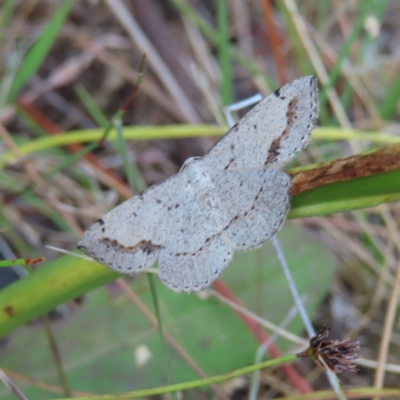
331 354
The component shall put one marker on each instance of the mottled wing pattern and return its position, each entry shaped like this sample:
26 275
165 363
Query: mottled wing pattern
197 252
272 131
255 204
229 200
129 238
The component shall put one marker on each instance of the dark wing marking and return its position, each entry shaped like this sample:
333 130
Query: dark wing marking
129 238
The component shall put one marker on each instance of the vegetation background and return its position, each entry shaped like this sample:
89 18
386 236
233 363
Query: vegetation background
70 68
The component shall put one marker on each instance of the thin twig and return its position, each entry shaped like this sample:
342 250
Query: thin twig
387 330
35 177
316 61
174 344
42 385
255 379
57 356
11 385
291 374
357 250
242 27
261 321
137 35
273 38
302 310
391 309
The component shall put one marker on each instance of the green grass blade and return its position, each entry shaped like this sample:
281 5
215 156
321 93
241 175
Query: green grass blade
35 202
40 48
20 261
154 297
57 360
390 102
121 145
177 132
52 284
5 17
344 51
187 11
358 392
223 52
31 125
348 90
193 384
348 195
302 62
91 106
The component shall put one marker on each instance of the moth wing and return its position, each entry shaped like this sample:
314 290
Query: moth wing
253 205
197 251
272 131
129 238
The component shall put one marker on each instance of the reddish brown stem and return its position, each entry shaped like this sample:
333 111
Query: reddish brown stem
296 379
